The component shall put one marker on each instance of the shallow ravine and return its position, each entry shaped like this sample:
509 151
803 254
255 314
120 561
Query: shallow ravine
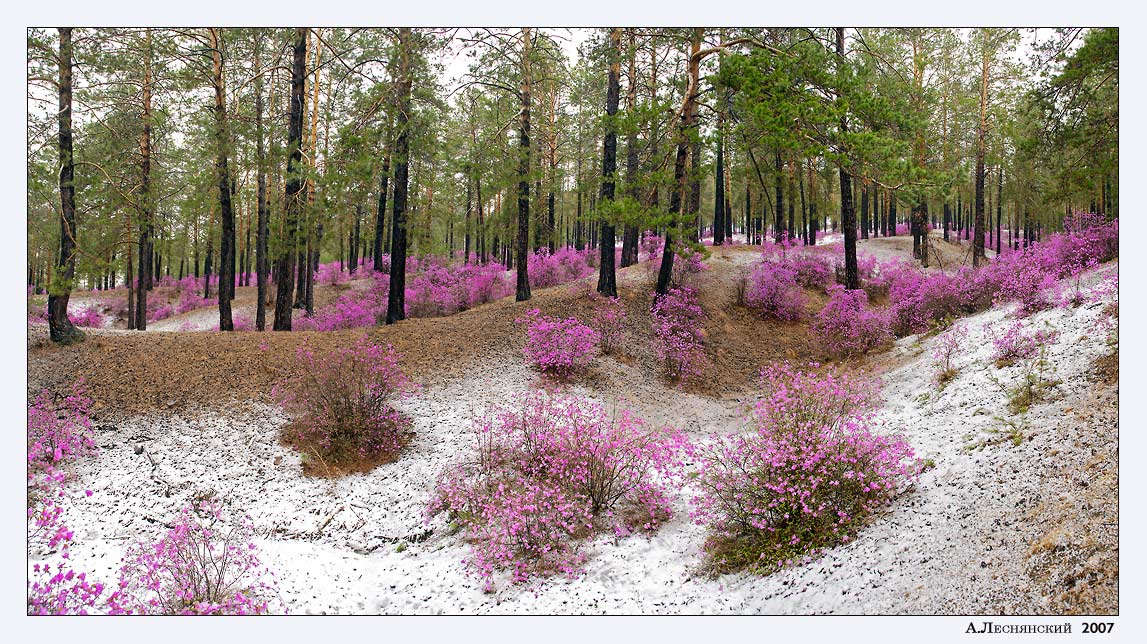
959 542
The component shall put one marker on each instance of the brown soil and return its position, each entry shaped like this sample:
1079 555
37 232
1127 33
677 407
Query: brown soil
132 372
1074 555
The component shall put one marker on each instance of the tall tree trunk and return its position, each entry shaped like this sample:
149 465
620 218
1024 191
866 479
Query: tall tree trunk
523 282
60 327
285 267
129 280
847 212
778 169
352 260
999 206
629 237
694 208
981 148
262 206
607 276
685 125
396 298
144 192
227 217
719 187
380 216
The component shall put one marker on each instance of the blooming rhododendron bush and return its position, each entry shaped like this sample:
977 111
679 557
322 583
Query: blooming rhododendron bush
343 405
549 472
556 346
846 326
203 565
678 334
804 477
58 434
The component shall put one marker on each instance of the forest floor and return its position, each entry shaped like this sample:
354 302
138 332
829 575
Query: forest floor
1018 515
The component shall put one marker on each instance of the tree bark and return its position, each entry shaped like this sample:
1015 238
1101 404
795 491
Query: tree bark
630 236
262 206
685 127
847 212
285 268
226 216
523 282
607 275
144 192
60 328
396 298
978 255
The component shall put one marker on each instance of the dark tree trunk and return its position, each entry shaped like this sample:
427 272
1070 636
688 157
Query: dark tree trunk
607 275
469 211
891 214
804 210
778 218
144 193
482 257
208 259
352 261
579 224
226 216
262 207
630 236
129 280
999 206
396 298
303 252
60 327
285 268
947 219
695 192
847 212
685 126
864 212
523 282
380 216
719 188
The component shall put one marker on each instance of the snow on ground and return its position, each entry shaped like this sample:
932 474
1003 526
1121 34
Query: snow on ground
957 543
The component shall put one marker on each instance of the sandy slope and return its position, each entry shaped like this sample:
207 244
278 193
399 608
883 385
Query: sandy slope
961 542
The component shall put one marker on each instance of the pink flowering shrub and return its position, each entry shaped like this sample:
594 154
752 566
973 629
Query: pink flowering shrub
556 346
89 317
1015 344
563 266
484 284
608 321
678 334
330 274
342 403
160 312
919 300
58 433
773 291
948 344
189 300
201 566
549 472
352 309
846 326
687 264
804 479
